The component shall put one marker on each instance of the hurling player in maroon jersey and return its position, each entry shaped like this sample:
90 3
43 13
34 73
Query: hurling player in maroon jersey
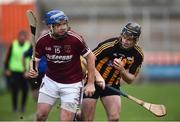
62 48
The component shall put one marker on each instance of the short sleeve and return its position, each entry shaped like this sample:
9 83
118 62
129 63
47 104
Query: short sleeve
82 47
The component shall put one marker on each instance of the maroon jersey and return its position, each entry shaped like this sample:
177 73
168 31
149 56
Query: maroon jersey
63 56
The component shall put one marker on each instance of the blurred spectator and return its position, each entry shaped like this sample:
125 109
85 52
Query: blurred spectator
36 82
14 69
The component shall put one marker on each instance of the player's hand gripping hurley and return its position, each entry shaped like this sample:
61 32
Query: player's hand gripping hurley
156 109
32 23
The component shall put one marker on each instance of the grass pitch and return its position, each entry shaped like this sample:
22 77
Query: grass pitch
167 94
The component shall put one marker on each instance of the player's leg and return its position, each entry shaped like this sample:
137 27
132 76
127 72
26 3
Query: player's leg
66 115
112 105
71 95
48 94
88 109
89 105
44 106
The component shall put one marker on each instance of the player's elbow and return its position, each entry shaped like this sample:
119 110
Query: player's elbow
130 79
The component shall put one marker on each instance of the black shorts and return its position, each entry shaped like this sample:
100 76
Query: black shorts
102 93
36 82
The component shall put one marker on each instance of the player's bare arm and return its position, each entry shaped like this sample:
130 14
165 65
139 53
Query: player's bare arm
33 73
90 88
98 78
126 76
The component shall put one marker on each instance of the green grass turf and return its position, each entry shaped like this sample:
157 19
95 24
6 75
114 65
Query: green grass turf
168 94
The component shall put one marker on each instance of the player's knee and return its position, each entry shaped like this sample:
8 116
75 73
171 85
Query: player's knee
113 117
41 116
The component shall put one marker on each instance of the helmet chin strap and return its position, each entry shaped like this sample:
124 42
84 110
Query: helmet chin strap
51 29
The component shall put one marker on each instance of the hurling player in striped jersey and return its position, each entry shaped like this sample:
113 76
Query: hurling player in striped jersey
117 59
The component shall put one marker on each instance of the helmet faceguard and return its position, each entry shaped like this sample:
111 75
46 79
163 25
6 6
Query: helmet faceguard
131 30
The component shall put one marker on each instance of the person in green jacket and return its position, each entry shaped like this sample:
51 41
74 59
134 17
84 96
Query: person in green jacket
14 69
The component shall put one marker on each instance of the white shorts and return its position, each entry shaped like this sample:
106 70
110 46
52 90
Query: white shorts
70 95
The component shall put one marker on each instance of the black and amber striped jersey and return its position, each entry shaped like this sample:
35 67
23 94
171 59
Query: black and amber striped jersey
110 49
